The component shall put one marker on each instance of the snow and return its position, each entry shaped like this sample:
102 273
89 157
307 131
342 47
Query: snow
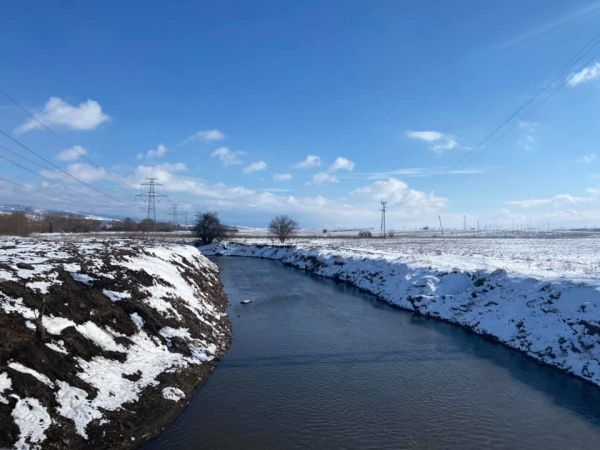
5 385
74 405
144 355
32 419
116 296
82 278
551 317
23 369
58 346
137 319
100 337
173 393
55 325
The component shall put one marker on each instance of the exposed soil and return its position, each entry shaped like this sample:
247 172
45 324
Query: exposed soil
25 341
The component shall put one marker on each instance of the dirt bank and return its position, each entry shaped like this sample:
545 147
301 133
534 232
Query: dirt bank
129 331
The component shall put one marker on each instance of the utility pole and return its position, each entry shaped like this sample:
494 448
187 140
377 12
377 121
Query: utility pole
465 222
383 205
441 226
173 214
477 224
151 195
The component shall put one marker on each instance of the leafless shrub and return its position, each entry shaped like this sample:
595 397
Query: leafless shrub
283 227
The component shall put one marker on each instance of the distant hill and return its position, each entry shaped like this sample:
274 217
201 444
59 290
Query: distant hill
15 207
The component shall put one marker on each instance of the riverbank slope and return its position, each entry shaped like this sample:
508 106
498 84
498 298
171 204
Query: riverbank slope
555 321
103 341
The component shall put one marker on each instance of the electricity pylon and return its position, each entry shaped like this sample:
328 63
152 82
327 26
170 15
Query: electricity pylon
174 214
383 204
151 195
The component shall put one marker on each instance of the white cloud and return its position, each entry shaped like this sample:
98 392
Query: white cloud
324 177
82 171
397 193
160 151
586 159
86 116
227 157
526 142
341 163
428 136
206 135
87 173
443 142
583 76
557 199
282 176
424 172
72 153
310 161
255 167
449 144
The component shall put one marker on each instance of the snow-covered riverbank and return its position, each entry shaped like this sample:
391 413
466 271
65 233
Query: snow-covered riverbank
128 332
556 321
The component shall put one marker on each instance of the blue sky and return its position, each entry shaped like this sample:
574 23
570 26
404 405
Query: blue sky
223 101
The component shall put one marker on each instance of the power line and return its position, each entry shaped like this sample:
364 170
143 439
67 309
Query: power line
57 167
483 150
38 191
576 58
42 176
56 135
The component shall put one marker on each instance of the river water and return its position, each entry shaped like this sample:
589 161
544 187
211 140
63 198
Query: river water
319 365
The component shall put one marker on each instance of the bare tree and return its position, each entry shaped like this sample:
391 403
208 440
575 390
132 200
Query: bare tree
283 227
208 227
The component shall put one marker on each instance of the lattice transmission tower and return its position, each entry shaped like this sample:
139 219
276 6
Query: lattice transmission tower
174 214
151 195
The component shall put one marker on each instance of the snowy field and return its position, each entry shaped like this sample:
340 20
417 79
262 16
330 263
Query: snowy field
548 308
128 331
550 255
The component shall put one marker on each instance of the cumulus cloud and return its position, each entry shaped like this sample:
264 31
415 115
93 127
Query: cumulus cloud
255 167
396 192
324 177
227 157
82 171
586 159
282 176
87 116
440 142
310 161
341 163
160 151
72 153
589 73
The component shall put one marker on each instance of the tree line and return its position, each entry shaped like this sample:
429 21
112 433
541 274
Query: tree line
208 227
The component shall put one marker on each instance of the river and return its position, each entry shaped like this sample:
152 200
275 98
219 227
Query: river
319 365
